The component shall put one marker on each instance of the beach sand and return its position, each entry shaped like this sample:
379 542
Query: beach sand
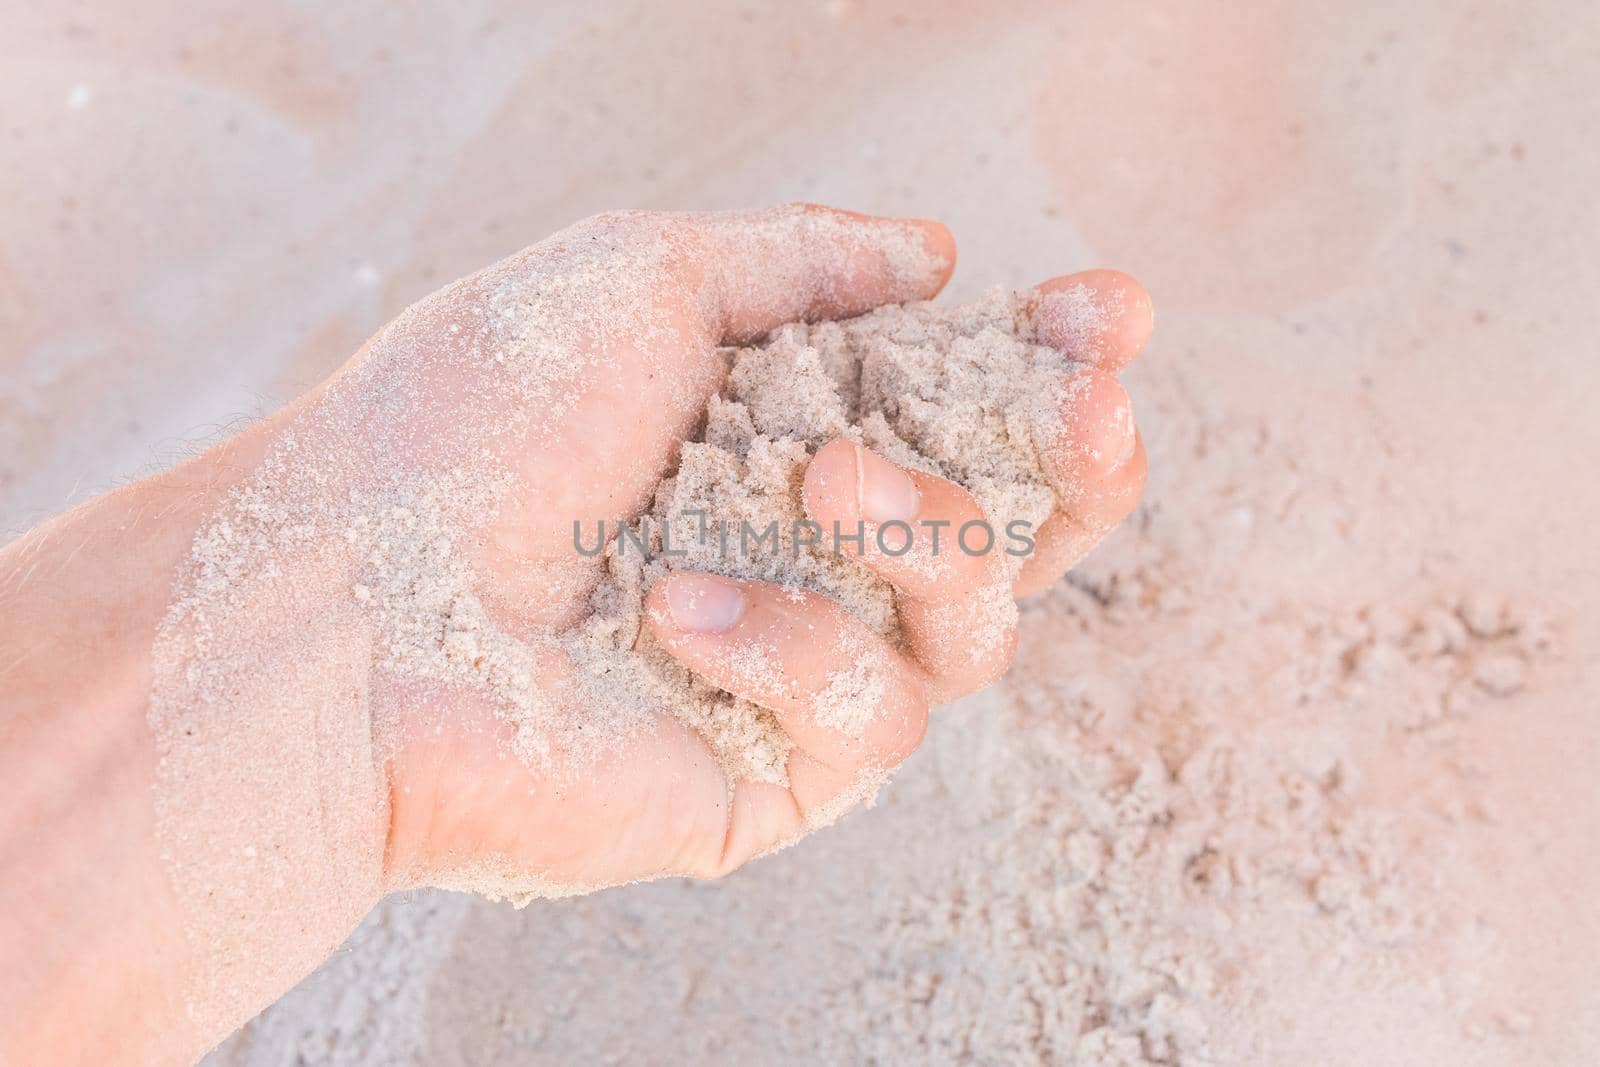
1296 768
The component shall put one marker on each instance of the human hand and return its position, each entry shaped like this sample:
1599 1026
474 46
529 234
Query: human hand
637 305
333 699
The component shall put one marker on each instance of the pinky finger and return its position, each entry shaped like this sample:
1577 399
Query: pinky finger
1067 536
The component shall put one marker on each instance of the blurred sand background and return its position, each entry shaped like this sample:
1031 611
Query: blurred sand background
1371 234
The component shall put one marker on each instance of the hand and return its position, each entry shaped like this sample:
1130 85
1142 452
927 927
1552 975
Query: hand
210 795
462 813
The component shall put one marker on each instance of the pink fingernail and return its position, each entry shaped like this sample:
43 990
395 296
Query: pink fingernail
704 603
1122 421
884 492
1097 419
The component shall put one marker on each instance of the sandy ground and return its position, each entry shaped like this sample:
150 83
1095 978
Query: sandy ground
1323 716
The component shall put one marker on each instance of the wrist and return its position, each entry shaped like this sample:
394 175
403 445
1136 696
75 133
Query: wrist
88 915
176 849
270 794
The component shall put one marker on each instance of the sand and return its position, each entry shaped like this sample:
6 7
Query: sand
1368 410
1202 800
961 393
1182 799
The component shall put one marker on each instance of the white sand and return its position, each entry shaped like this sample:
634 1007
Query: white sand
1261 784
961 393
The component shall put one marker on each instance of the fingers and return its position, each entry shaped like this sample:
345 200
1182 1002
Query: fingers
853 708
1102 319
929 539
1099 317
1097 468
763 268
1066 537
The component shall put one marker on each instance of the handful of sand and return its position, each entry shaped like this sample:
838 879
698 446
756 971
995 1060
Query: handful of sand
963 393
337 585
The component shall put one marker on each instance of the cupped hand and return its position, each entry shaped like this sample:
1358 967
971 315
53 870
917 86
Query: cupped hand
634 307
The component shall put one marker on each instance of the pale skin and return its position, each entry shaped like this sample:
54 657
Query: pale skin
94 966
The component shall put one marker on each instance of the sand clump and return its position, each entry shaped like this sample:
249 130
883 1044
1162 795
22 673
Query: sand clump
961 393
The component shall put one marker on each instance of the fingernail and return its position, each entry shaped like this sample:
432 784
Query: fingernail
884 492
1122 421
704 603
1098 422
